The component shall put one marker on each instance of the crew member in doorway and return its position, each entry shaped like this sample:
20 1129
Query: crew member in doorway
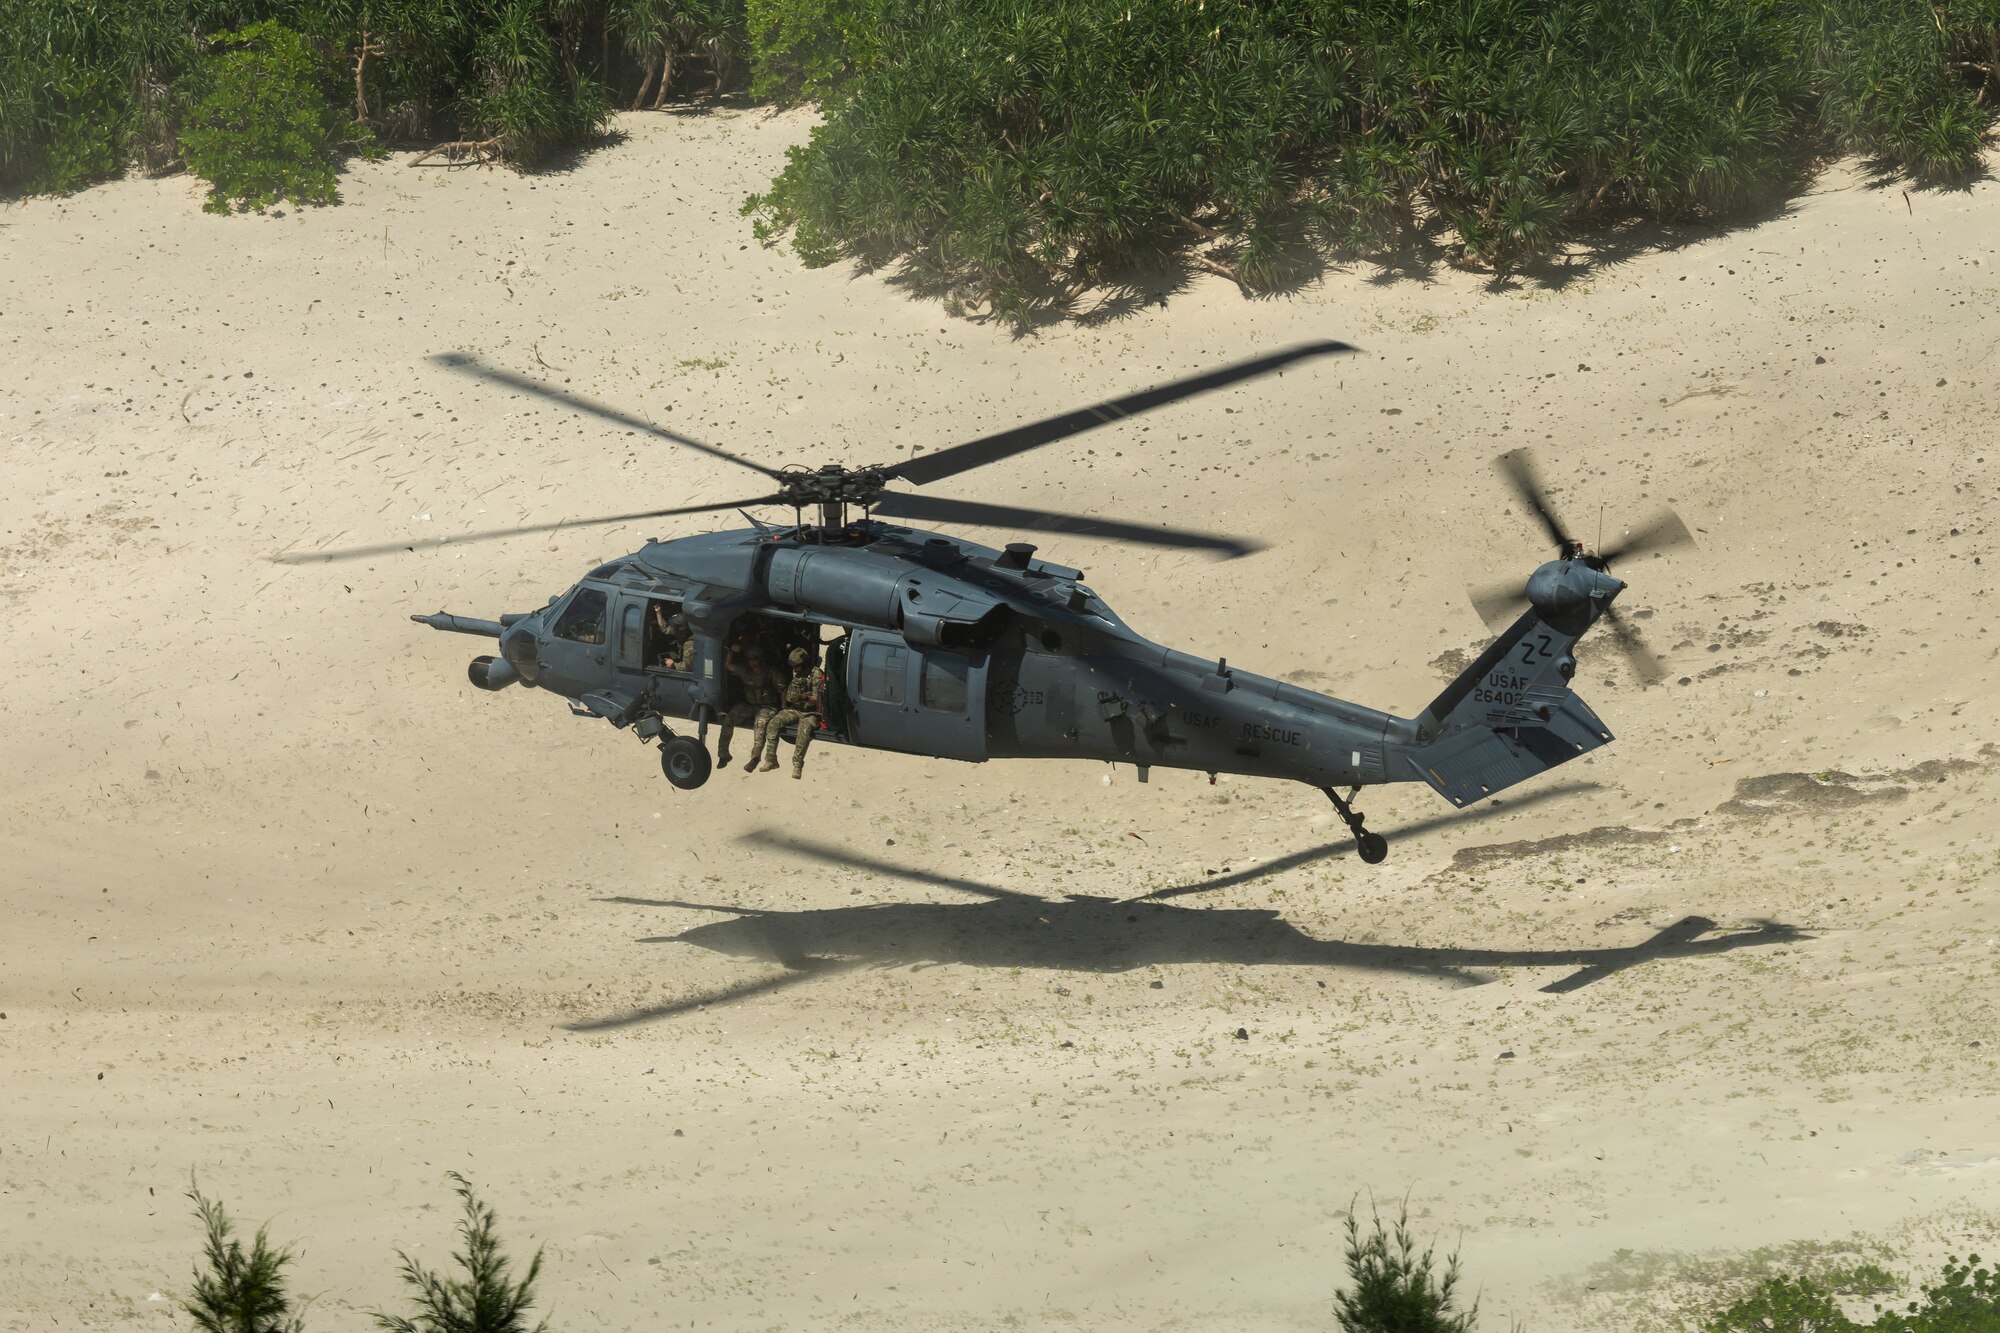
742 669
761 695
801 709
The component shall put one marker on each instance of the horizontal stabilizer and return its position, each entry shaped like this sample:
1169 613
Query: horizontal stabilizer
1483 760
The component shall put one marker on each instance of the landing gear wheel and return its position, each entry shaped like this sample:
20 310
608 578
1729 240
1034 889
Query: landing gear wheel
685 761
1372 846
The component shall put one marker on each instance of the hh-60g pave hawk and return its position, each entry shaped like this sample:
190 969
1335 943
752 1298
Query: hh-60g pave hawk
937 646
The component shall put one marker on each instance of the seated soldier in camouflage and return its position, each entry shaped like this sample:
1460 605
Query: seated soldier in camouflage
769 697
677 636
756 699
802 707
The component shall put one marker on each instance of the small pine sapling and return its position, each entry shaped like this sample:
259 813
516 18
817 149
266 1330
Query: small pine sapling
483 1301
1394 1288
235 1292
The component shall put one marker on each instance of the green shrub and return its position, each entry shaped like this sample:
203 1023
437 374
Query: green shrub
1966 1299
483 1301
264 130
1394 1290
238 1292
525 99
1783 1305
81 90
806 50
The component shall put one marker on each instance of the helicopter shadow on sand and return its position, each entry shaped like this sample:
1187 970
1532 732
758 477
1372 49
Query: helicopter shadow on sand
1006 928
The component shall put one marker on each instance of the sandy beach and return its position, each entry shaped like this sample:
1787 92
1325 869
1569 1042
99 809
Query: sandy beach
293 907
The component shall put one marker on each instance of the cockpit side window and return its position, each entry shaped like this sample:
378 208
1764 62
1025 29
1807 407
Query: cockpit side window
582 621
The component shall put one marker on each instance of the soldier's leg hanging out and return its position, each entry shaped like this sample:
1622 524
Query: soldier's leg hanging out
775 733
757 733
807 726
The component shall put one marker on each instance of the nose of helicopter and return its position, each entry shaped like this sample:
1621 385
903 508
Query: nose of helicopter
1572 589
521 646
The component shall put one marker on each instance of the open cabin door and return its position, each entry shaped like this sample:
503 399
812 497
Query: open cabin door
917 700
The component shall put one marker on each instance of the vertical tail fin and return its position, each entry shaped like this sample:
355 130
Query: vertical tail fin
1511 714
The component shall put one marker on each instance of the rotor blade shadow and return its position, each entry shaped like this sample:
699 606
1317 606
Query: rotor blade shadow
1103 935
1646 665
818 851
1682 933
1345 847
1499 604
1518 467
804 970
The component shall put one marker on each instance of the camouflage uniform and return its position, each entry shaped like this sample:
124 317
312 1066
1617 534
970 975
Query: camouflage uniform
762 688
758 701
801 708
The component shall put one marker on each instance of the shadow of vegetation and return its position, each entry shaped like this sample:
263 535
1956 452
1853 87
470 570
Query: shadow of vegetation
1886 173
1116 294
560 161
1592 251
702 104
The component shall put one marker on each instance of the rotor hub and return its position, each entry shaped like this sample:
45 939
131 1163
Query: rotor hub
832 484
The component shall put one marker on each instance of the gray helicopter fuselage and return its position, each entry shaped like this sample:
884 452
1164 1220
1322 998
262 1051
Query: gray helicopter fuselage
958 651
955 650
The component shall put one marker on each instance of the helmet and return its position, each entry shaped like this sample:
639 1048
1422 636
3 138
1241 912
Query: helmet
799 657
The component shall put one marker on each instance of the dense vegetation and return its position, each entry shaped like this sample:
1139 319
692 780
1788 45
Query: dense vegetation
1015 153
1019 151
90 87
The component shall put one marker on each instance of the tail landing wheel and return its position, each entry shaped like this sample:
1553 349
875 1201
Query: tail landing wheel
1374 848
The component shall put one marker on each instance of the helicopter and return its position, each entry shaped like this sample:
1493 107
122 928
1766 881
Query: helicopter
938 646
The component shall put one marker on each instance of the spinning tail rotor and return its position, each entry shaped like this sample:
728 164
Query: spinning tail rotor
1498 604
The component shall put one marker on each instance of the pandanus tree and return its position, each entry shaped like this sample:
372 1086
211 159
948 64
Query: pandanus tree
658 34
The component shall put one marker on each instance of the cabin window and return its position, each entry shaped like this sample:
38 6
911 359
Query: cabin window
942 685
631 635
583 619
883 667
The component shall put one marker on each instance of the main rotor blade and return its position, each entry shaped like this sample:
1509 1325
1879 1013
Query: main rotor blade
470 365
929 508
1645 665
1664 532
992 448
1519 469
384 548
